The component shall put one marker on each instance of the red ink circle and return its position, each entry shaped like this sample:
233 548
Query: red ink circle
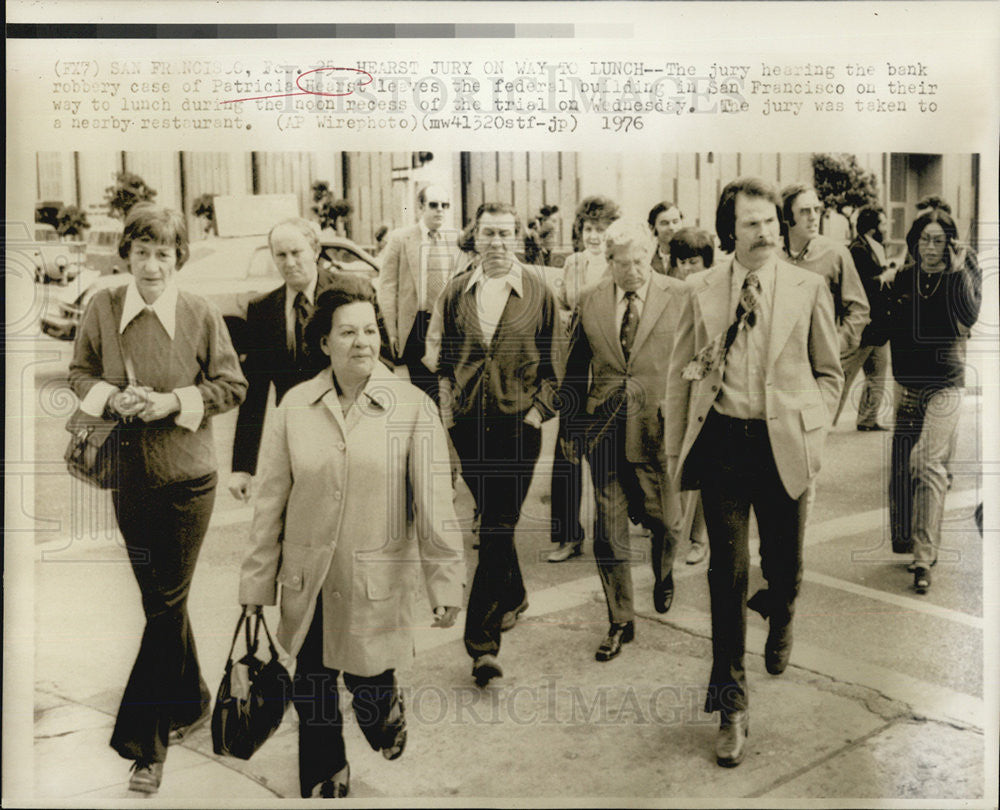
298 81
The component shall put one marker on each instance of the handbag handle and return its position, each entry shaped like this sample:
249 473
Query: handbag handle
270 641
236 634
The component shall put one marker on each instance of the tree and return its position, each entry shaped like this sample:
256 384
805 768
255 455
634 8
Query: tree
128 190
840 182
331 212
203 207
71 221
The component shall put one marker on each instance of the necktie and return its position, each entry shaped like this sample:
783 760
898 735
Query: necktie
630 324
302 312
438 267
713 355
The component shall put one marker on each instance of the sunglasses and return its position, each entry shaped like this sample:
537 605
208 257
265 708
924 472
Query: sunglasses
434 205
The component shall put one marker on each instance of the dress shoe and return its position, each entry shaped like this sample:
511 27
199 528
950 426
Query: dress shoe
178 735
511 616
336 787
395 729
146 777
871 427
731 744
620 633
912 567
663 593
778 647
565 551
902 546
485 668
697 553
922 579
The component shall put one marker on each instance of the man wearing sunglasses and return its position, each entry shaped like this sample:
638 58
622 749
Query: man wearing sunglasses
418 262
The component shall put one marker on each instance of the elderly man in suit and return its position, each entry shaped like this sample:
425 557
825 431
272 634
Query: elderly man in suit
274 339
611 397
754 381
417 263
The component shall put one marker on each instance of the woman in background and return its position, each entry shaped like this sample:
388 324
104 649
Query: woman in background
936 300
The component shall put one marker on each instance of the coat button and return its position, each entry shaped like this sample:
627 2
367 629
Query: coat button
715 388
335 595
341 446
701 418
337 496
296 579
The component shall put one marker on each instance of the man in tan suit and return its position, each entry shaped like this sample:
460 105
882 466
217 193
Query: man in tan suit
615 375
417 263
753 383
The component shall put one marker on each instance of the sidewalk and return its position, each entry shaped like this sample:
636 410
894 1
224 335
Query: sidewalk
558 726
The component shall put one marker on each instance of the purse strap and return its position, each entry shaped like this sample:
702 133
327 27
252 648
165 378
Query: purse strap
236 634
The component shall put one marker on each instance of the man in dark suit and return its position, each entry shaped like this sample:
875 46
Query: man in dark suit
753 383
274 339
498 384
612 390
664 219
417 263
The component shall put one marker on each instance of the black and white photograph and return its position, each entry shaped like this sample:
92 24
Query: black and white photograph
422 468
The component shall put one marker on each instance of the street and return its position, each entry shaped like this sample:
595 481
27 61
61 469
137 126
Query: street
884 697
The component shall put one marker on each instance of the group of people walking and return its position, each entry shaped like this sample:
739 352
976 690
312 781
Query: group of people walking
691 389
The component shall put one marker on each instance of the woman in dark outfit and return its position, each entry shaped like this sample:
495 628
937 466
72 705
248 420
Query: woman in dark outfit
162 359
937 297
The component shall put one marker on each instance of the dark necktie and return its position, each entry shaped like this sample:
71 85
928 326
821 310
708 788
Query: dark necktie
630 323
302 312
713 355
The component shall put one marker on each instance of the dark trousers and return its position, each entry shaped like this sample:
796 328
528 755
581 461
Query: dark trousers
317 702
627 491
498 456
163 529
738 472
566 495
413 354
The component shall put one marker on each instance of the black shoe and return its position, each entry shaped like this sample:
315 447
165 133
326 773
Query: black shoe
731 744
912 567
619 633
511 616
922 579
336 787
663 593
901 546
146 777
178 735
485 668
778 648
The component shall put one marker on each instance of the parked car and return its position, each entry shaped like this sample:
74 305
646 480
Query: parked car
227 271
55 260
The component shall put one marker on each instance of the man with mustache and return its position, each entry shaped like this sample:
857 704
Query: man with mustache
497 384
753 383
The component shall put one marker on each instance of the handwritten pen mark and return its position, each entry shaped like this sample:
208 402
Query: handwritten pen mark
307 92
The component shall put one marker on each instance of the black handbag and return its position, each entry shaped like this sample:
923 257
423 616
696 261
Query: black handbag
94 449
242 724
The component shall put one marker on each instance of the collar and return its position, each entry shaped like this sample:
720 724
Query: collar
513 279
375 392
164 307
770 266
425 232
642 293
801 254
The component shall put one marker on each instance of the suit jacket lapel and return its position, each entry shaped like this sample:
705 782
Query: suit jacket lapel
656 302
413 254
605 310
785 309
713 301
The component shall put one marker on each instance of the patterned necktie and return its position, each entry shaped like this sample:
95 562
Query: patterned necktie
438 266
630 323
713 355
302 312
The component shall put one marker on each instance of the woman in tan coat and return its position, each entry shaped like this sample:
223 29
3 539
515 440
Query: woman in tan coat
351 510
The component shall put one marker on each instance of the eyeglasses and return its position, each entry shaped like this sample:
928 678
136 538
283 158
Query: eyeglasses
434 205
936 241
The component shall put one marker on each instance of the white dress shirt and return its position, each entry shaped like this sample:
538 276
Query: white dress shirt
492 295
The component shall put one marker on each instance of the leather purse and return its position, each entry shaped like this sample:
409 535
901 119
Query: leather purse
252 696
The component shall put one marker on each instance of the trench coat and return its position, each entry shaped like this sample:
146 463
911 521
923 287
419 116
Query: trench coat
358 508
